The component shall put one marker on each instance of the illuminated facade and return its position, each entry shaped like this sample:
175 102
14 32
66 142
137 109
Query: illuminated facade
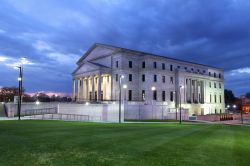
99 69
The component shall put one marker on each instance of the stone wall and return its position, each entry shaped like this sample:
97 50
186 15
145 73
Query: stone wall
142 111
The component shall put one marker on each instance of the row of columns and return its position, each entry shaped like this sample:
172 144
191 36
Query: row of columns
194 91
90 88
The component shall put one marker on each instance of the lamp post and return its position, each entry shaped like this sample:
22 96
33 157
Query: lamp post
180 100
120 96
228 106
20 84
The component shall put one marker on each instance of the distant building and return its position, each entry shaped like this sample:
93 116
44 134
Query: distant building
245 105
99 70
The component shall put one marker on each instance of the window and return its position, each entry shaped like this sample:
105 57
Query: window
154 95
219 75
214 75
116 77
220 99
215 99
209 84
171 67
143 78
215 111
163 96
143 95
198 70
163 66
129 95
178 67
155 78
204 71
192 69
210 98
107 78
117 64
214 84
163 79
130 77
171 80
186 68
171 96
209 73
130 64
80 82
220 85
155 65
143 64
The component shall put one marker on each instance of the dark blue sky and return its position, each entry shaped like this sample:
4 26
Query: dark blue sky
53 35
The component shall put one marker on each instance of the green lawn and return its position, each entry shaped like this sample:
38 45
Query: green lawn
78 143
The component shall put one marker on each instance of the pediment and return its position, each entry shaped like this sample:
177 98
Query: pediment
89 67
95 52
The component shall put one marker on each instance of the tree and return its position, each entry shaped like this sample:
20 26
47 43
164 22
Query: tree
27 98
247 95
7 94
43 97
229 96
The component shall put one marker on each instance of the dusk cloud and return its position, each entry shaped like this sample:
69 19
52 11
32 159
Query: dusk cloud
53 35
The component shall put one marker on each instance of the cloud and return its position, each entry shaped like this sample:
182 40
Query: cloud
42 46
63 58
52 34
13 63
2 31
245 70
3 58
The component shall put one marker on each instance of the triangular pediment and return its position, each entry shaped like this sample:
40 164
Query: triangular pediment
95 52
88 67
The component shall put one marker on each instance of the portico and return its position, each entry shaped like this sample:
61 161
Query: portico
91 82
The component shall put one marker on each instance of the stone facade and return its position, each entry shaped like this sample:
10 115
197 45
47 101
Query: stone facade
194 87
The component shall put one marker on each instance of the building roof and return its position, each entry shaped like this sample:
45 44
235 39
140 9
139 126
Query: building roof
140 53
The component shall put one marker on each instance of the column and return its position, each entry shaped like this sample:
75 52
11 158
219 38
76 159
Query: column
78 89
73 89
87 89
192 91
82 96
202 92
197 91
99 87
93 88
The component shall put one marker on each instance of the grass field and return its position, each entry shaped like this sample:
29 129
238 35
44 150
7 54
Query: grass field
78 143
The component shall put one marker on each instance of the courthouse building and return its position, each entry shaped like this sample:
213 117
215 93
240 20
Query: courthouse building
148 78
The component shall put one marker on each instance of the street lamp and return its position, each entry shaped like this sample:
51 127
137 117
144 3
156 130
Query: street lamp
120 96
20 84
181 87
37 102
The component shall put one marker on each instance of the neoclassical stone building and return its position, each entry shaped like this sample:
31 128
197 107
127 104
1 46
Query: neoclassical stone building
149 78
